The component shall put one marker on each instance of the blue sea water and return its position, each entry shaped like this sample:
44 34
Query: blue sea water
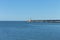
20 30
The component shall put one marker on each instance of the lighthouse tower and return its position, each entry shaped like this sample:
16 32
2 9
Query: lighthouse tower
29 20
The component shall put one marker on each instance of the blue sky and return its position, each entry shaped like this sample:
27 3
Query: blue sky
24 9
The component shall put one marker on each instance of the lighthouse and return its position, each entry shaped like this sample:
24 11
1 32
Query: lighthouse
29 20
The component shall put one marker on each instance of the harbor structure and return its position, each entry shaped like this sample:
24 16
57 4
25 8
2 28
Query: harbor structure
48 21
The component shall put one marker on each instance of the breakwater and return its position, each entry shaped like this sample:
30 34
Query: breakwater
49 21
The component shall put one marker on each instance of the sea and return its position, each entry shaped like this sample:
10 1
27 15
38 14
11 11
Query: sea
22 30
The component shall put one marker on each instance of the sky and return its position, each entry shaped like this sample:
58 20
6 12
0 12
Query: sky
18 10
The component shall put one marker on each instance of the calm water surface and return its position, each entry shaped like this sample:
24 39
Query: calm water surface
19 30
